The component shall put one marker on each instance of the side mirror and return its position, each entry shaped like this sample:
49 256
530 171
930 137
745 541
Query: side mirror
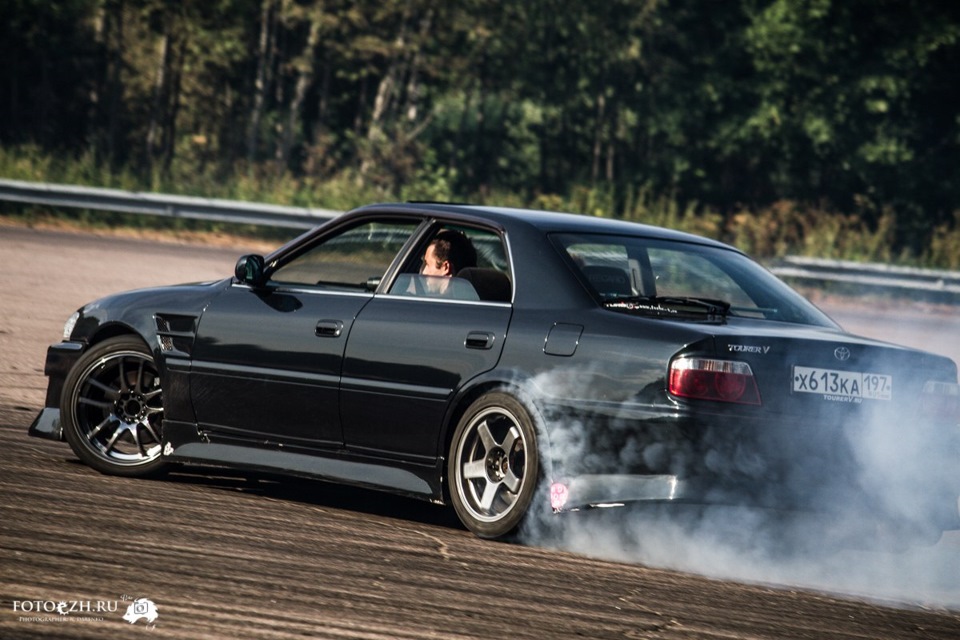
249 270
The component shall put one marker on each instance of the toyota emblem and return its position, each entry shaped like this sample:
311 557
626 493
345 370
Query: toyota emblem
842 353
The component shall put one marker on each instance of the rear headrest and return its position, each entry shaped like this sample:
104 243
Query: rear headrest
491 285
608 280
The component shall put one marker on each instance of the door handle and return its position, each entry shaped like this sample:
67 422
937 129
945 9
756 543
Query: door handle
479 340
329 328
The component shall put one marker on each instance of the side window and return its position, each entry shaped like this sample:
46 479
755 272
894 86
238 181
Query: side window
350 259
460 263
490 251
607 268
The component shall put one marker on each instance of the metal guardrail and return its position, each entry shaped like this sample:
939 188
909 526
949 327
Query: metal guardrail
930 281
941 284
158 204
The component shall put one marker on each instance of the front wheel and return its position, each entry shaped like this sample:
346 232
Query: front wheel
493 467
111 408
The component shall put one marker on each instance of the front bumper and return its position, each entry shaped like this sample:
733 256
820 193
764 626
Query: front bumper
61 357
47 425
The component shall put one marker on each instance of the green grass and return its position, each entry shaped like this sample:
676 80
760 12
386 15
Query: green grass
784 228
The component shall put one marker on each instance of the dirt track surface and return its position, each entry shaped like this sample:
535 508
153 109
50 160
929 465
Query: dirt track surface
239 556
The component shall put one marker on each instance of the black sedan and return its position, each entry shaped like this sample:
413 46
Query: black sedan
508 362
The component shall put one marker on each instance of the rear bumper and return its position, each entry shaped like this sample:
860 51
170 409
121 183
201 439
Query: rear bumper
599 491
614 490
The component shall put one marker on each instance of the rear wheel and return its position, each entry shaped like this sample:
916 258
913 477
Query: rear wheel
493 465
111 408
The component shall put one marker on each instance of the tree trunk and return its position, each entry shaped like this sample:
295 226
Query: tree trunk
453 163
305 74
100 31
172 110
323 101
597 140
264 64
105 95
385 96
413 79
159 82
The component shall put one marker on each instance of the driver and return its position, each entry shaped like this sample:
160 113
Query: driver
448 253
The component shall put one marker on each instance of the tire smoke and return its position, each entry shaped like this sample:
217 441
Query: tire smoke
877 537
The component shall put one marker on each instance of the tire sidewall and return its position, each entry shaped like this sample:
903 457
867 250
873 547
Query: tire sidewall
68 417
511 520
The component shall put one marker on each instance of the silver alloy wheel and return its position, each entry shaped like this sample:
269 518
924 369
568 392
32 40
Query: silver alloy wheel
116 407
492 459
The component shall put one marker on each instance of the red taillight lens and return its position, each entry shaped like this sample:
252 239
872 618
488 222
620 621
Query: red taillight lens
708 379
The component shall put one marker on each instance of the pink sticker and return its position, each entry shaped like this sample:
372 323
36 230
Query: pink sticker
558 495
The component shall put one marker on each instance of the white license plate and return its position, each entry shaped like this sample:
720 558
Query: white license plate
843 386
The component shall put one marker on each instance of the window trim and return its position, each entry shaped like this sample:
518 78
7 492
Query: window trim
417 244
278 261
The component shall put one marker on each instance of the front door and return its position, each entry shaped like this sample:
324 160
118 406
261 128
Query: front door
267 364
268 358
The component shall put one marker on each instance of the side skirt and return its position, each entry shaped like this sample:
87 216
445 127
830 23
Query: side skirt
182 443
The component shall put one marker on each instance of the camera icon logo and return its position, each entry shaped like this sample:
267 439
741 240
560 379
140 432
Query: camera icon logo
141 608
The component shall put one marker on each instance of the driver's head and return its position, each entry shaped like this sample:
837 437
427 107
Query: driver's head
448 253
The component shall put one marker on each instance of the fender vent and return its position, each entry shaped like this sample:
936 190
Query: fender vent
175 333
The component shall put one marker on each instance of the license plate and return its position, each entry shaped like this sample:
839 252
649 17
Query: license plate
842 386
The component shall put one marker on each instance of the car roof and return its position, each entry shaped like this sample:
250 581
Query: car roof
544 221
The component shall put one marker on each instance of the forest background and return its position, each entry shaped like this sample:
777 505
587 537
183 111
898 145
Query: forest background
828 128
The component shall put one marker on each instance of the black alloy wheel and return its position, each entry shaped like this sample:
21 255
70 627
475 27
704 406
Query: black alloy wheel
111 408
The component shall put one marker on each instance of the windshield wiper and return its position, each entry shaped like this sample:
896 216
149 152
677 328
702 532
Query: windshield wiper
672 306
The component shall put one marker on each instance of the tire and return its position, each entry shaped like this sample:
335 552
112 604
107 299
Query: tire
111 409
493 466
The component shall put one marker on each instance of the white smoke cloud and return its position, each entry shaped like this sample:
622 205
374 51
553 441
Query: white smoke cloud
908 472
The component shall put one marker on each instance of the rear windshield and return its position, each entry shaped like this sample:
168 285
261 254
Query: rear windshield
682 280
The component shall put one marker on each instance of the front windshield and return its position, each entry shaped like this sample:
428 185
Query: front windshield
682 280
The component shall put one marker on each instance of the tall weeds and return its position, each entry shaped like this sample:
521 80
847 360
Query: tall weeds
784 228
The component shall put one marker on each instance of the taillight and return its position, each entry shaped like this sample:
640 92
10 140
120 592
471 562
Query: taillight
708 379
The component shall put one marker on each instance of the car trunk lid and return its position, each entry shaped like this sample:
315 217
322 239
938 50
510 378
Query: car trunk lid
811 370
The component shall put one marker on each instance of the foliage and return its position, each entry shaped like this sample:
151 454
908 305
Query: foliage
827 126
783 228
944 249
